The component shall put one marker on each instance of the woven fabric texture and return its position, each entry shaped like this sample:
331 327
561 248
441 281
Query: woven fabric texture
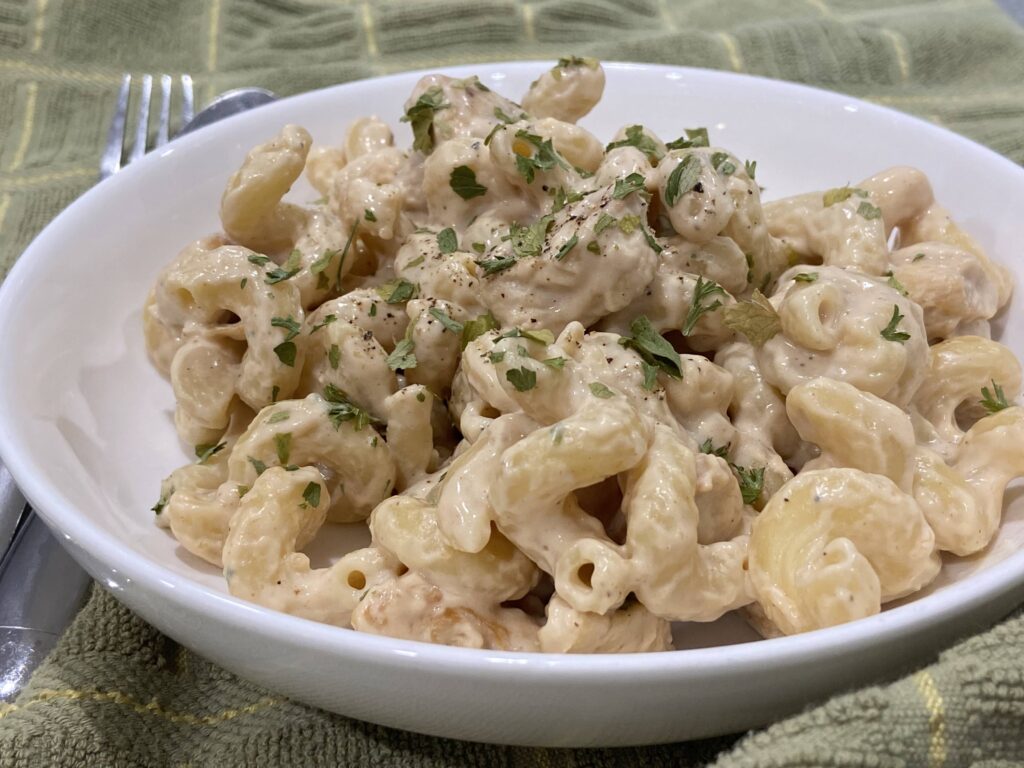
116 692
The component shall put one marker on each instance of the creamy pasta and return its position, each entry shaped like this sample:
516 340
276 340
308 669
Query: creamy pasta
578 391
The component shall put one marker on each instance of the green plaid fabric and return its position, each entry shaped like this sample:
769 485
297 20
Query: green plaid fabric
115 692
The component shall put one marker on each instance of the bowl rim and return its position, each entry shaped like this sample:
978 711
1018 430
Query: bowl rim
191 596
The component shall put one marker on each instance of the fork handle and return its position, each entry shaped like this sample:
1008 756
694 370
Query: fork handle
12 509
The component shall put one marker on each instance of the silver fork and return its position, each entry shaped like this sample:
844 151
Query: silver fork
31 622
116 146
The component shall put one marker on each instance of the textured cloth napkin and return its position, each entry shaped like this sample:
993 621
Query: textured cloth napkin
116 692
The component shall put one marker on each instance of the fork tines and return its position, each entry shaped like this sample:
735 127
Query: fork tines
117 146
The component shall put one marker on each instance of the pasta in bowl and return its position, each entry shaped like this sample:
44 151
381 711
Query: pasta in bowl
577 391
91 433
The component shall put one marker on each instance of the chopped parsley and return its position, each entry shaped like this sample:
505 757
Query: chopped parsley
529 240
840 194
703 290
695 137
709 448
471 329
635 137
311 494
421 116
522 379
918 256
451 325
503 116
258 465
751 482
600 390
258 259
321 264
286 352
805 277
750 166
283 446
543 158
398 291
869 211
447 241
334 356
369 215
894 283
684 177
628 224
403 357
889 333
603 222
634 182
558 363
287 270
650 373
344 253
162 501
576 61
756 319
289 323
340 408
563 198
496 356
541 336
463 182
332 318
994 401
205 450
493 266
567 246
652 347
722 163
279 417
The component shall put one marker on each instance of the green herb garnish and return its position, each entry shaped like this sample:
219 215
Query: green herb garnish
889 333
403 357
994 401
567 246
283 445
684 177
635 137
522 379
287 270
421 116
447 241
703 290
463 182
340 408
311 494
204 451
634 182
751 482
652 347
756 319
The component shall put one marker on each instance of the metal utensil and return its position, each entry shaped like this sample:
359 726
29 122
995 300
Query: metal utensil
41 587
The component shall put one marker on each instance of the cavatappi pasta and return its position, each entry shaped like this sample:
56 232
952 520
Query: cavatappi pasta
578 391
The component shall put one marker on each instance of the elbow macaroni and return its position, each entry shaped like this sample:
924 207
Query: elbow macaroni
577 392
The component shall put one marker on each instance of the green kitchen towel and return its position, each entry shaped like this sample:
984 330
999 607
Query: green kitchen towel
117 693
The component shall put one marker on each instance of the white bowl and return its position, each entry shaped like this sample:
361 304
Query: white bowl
86 430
